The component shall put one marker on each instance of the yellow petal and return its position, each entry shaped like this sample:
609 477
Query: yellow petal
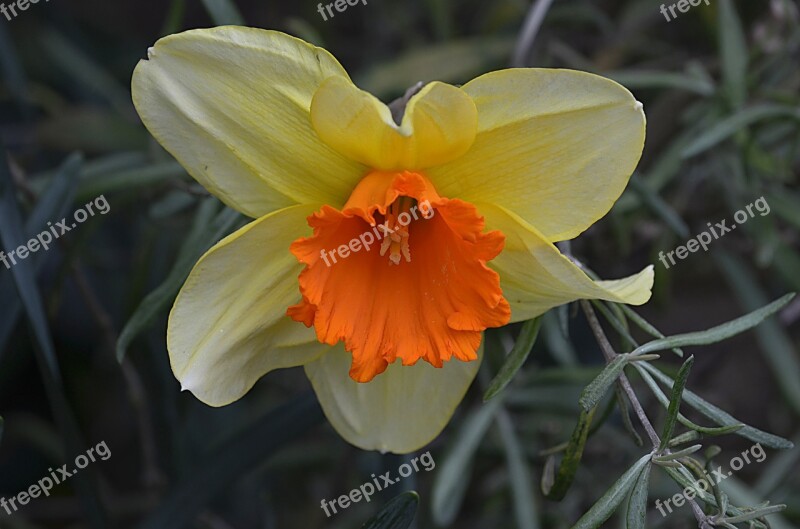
438 125
228 326
556 147
536 277
231 104
400 410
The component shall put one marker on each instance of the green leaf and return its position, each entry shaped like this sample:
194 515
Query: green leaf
637 504
233 459
598 387
655 79
224 12
555 486
515 359
719 416
718 333
206 231
779 350
652 200
733 50
679 454
451 481
398 513
662 398
82 68
52 205
520 474
129 179
675 402
729 126
646 326
23 273
559 346
605 506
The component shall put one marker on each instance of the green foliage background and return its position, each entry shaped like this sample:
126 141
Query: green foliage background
721 88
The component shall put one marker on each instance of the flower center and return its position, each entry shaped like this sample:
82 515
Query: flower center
396 230
433 308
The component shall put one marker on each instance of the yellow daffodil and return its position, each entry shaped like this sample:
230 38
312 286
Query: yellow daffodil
463 192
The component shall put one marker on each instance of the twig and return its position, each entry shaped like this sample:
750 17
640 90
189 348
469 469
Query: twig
610 354
530 28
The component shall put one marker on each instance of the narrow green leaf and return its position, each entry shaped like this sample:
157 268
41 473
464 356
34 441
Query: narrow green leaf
675 401
598 387
719 416
232 460
646 326
451 481
679 454
733 50
128 179
758 513
398 513
52 206
656 79
608 503
558 345
659 206
777 346
224 12
618 322
12 236
555 486
662 398
519 473
515 359
204 233
718 333
724 129
637 504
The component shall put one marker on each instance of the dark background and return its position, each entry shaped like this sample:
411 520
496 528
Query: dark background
66 68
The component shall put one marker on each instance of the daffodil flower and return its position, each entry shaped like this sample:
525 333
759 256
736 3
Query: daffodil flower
390 335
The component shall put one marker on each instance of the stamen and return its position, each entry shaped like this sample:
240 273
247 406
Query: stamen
396 239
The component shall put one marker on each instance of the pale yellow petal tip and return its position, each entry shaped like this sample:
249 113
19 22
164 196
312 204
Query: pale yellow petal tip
639 106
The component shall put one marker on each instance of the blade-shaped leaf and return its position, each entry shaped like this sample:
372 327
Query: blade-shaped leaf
233 459
451 481
719 416
398 513
555 487
637 504
51 206
11 236
605 506
204 233
598 387
519 473
515 359
718 333
675 401
224 12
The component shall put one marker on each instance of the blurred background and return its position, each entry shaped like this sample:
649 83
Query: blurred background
82 326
